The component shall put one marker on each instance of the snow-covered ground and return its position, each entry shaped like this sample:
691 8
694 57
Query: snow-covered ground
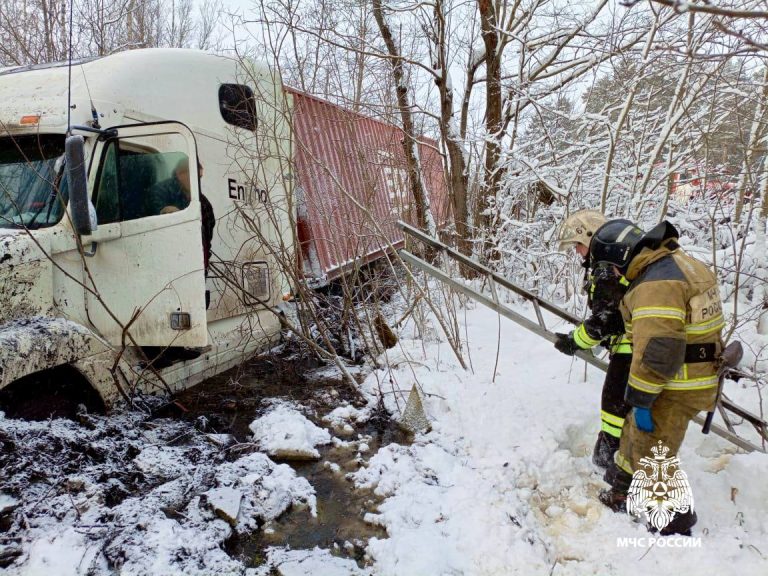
502 484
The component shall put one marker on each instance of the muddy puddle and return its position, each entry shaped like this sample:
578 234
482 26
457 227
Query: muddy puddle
339 525
229 402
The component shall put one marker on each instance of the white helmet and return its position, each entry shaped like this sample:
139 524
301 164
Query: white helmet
579 228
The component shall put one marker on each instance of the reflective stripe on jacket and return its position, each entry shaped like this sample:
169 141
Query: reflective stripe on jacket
673 303
617 344
605 325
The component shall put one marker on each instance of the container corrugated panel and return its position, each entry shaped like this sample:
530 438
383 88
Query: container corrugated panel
351 185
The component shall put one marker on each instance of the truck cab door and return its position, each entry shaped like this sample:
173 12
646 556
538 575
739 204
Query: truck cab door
146 275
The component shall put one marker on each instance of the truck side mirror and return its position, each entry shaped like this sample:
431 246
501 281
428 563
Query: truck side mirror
74 152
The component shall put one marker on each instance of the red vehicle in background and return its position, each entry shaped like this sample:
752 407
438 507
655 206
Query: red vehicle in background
696 182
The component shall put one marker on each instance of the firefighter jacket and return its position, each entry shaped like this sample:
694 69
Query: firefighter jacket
605 324
673 316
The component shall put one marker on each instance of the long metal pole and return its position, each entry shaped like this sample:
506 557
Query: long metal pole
458 256
500 308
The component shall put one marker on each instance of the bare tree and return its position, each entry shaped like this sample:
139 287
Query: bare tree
33 31
37 31
179 26
410 143
451 134
209 31
755 144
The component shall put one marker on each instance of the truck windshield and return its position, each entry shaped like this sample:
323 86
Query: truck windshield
32 187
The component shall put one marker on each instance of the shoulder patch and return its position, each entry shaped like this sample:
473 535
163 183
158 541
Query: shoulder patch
664 269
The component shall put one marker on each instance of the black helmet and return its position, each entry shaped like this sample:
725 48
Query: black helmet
615 242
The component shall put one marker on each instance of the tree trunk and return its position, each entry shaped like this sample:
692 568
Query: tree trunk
457 176
760 295
410 145
757 132
491 177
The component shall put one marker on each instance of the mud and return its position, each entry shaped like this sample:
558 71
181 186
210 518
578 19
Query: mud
230 402
47 465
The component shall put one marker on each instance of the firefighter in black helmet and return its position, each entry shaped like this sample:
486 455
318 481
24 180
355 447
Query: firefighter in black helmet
604 326
673 314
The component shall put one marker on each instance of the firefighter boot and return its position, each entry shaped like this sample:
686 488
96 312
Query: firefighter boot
605 447
681 524
616 497
616 500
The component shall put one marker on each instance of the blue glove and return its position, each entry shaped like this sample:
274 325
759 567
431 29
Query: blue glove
643 419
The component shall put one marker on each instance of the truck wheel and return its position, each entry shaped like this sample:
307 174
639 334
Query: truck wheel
54 393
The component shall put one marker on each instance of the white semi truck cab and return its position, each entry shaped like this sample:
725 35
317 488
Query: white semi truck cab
102 265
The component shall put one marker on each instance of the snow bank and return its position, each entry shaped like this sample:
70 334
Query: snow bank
287 434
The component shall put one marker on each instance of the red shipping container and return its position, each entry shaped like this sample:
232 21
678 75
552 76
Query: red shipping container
351 186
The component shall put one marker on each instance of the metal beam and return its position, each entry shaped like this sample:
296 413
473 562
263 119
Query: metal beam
500 308
730 436
539 329
459 257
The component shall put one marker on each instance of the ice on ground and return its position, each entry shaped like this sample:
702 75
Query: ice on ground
268 489
7 503
313 562
285 433
225 502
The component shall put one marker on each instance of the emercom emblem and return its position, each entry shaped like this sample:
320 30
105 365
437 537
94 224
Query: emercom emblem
659 489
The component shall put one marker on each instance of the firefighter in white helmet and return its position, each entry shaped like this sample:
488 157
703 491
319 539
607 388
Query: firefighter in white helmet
604 326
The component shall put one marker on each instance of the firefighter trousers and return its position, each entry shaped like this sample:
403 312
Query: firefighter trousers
671 412
613 409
